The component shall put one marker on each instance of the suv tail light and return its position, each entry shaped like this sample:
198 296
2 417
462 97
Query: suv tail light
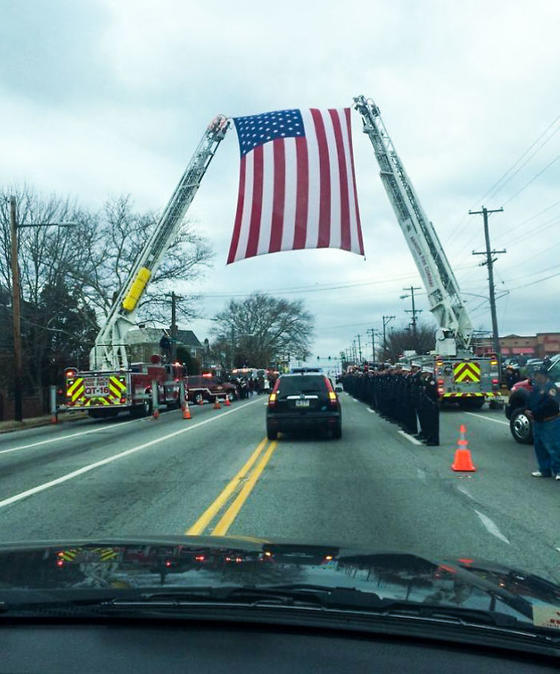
332 395
274 395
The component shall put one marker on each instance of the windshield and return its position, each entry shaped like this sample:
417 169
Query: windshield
301 384
284 277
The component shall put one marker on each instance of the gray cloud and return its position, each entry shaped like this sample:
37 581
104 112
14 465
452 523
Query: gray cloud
101 98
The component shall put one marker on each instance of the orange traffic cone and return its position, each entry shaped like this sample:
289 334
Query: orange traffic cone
186 411
227 402
217 405
463 460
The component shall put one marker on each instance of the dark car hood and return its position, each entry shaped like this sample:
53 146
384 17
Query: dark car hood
176 562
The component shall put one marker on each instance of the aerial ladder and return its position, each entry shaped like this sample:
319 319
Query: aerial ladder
109 351
112 383
459 374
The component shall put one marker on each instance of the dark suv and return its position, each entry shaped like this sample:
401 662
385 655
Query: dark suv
303 401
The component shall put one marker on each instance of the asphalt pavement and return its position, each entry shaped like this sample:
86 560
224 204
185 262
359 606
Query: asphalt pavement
217 474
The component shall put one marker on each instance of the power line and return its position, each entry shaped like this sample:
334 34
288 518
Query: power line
532 217
532 179
492 191
505 178
318 287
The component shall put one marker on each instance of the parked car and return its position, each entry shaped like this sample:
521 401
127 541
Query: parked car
303 401
520 425
208 387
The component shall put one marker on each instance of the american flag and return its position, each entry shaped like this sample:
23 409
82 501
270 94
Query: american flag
297 185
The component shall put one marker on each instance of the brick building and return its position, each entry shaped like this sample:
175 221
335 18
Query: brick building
533 346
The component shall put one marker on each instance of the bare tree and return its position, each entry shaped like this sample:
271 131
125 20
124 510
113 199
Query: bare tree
403 339
45 256
261 329
120 234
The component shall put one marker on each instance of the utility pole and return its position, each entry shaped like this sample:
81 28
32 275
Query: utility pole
372 332
16 309
490 259
354 352
359 347
386 321
16 303
232 346
413 311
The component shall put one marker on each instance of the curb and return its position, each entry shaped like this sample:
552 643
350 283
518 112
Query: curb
37 423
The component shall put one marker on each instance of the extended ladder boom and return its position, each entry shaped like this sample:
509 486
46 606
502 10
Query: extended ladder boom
438 278
109 351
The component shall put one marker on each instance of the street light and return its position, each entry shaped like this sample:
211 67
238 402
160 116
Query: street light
16 303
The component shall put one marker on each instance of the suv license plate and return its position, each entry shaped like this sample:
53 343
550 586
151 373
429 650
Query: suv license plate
302 403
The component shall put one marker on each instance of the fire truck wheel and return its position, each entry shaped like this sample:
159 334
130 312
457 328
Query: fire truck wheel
198 397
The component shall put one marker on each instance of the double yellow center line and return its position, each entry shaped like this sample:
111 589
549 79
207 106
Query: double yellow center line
237 489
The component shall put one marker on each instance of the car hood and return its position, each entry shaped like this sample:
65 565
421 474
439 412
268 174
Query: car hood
180 562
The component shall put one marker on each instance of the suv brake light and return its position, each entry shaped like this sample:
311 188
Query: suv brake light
332 395
272 399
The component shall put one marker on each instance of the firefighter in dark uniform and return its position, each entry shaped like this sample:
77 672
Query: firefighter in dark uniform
430 408
543 408
408 406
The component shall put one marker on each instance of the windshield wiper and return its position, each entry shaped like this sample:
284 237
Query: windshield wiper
295 596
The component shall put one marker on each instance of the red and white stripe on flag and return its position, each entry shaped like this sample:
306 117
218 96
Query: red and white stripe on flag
297 183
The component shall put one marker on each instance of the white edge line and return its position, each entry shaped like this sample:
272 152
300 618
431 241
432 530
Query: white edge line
465 491
370 410
115 457
410 438
481 416
491 527
58 438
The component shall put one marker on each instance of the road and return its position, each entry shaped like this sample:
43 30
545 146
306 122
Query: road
217 474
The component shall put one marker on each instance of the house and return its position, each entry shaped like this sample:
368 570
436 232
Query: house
143 343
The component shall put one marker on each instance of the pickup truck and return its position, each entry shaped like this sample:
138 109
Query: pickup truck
208 387
520 425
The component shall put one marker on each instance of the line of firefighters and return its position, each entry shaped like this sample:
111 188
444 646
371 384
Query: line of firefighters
405 394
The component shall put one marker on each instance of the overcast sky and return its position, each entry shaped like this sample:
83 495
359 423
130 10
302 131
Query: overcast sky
101 98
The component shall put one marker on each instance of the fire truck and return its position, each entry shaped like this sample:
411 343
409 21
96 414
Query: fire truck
113 384
461 376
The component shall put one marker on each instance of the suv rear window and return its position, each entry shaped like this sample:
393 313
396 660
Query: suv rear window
314 383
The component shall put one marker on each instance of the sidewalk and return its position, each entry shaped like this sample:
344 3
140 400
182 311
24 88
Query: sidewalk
34 422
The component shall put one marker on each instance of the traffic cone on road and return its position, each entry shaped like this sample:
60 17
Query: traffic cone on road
217 405
186 411
463 460
227 402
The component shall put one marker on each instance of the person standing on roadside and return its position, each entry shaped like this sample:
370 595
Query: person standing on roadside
543 409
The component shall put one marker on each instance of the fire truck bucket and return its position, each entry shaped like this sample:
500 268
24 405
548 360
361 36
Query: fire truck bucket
463 460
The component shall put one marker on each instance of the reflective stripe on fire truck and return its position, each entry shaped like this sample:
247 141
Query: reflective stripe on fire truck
464 395
76 389
466 372
117 388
